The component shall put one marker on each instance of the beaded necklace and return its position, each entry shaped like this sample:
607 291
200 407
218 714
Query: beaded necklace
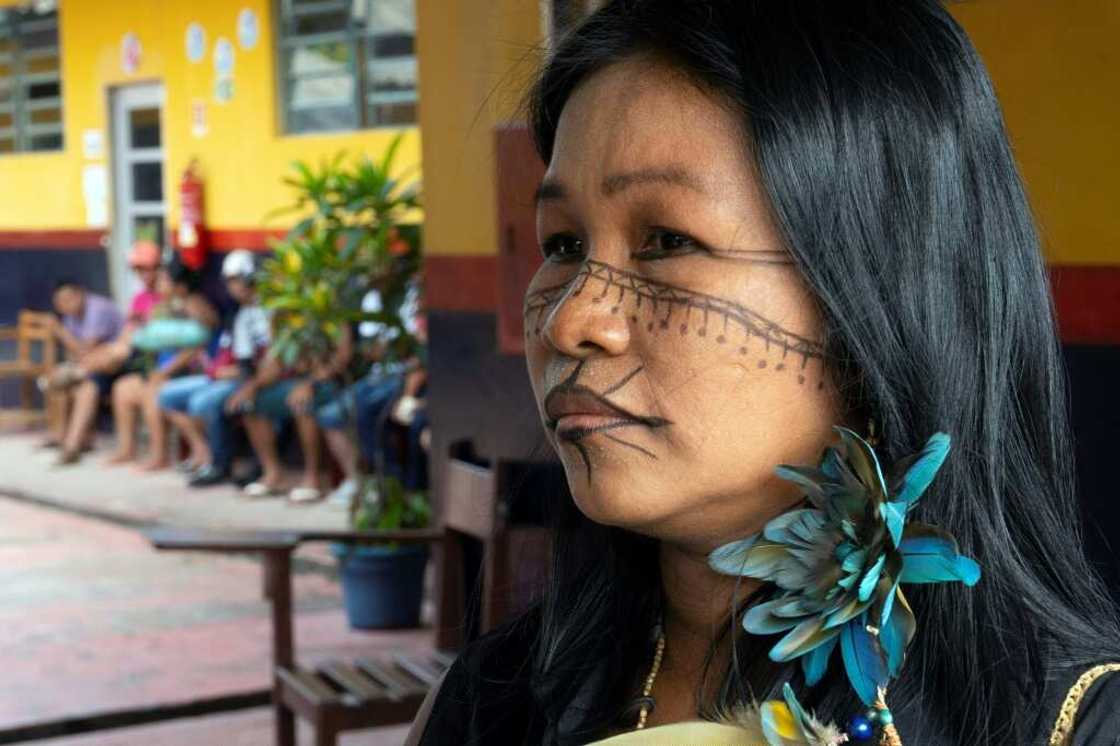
646 700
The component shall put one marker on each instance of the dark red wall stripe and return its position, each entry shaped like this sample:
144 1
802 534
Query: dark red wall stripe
461 283
70 240
1087 298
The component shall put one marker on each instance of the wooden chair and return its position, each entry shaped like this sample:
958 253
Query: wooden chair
340 696
32 329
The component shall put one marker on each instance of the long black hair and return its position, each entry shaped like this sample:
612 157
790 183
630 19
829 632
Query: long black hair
882 149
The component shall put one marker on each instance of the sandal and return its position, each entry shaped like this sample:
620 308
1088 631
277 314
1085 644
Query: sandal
304 495
260 489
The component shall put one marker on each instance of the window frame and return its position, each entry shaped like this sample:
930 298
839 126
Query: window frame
359 44
19 107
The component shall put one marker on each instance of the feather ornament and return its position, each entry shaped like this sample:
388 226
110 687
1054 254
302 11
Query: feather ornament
783 723
837 566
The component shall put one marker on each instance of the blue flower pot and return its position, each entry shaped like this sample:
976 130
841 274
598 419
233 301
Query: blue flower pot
382 587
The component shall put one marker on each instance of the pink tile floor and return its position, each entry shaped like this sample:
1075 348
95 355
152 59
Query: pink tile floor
93 620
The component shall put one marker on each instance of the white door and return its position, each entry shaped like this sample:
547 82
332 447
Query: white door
139 205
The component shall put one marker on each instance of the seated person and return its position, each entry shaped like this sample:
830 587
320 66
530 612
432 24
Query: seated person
410 412
137 390
379 386
270 399
88 320
196 403
96 357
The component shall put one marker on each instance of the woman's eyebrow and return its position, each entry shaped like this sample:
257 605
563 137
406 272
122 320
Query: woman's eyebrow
553 190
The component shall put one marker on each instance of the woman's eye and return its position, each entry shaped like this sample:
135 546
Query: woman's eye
562 247
663 243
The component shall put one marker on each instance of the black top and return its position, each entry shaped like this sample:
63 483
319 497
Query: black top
485 699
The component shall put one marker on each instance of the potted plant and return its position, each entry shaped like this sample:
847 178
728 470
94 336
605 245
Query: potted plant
355 236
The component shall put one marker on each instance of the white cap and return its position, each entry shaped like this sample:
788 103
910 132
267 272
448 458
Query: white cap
239 263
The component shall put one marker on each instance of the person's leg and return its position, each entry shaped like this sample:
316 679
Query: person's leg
308 431
198 450
86 395
344 452
174 399
269 409
57 425
207 411
369 404
262 437
125 396
416 469
157 427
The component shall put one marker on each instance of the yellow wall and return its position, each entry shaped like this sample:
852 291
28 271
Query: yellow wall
476 59
1056 67
243 157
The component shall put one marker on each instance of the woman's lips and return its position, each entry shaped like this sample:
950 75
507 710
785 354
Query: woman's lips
575 426
575 411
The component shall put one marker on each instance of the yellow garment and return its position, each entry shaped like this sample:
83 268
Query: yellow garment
693 732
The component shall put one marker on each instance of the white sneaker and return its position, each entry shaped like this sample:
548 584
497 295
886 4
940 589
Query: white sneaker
343 494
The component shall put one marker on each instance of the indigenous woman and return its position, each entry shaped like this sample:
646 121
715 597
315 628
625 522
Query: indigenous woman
772 231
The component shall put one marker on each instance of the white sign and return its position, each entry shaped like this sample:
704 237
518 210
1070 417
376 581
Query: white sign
95 192
248 29
199 126
196 42
223 57
131 52
223 89
93 145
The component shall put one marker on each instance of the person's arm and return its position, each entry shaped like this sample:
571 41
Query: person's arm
340 360
74 347
414 380
182 359
268 372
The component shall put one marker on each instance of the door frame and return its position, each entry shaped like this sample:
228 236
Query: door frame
121 100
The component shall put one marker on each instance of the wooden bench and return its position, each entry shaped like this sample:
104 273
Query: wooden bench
32 329
368 692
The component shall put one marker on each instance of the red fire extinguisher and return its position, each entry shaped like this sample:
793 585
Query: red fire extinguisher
191 238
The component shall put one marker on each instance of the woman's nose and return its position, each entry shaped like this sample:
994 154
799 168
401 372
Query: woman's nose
588 319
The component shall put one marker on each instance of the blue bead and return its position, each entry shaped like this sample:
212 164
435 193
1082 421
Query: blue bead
860 729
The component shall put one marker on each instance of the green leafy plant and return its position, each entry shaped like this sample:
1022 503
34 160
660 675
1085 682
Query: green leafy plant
353 236
394 508
356 232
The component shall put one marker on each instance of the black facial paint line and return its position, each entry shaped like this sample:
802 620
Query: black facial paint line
575 434
582 449
628 444
752 323
649 421
625 380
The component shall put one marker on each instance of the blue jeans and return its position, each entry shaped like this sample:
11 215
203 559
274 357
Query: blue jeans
176 394
205 399
364 401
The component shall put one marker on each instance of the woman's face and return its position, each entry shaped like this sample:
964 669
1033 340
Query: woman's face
674 350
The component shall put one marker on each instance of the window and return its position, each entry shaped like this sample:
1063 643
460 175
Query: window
347 64
30 81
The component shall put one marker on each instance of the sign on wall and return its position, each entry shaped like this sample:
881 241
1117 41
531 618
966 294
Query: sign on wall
248 28
131 52
196 42
223 70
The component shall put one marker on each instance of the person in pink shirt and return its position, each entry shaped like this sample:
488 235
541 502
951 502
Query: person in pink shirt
144 260
90 376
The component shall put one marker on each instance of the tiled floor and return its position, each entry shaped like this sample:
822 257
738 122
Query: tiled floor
93 620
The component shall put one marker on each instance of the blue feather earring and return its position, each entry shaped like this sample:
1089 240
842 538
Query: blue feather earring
837 568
